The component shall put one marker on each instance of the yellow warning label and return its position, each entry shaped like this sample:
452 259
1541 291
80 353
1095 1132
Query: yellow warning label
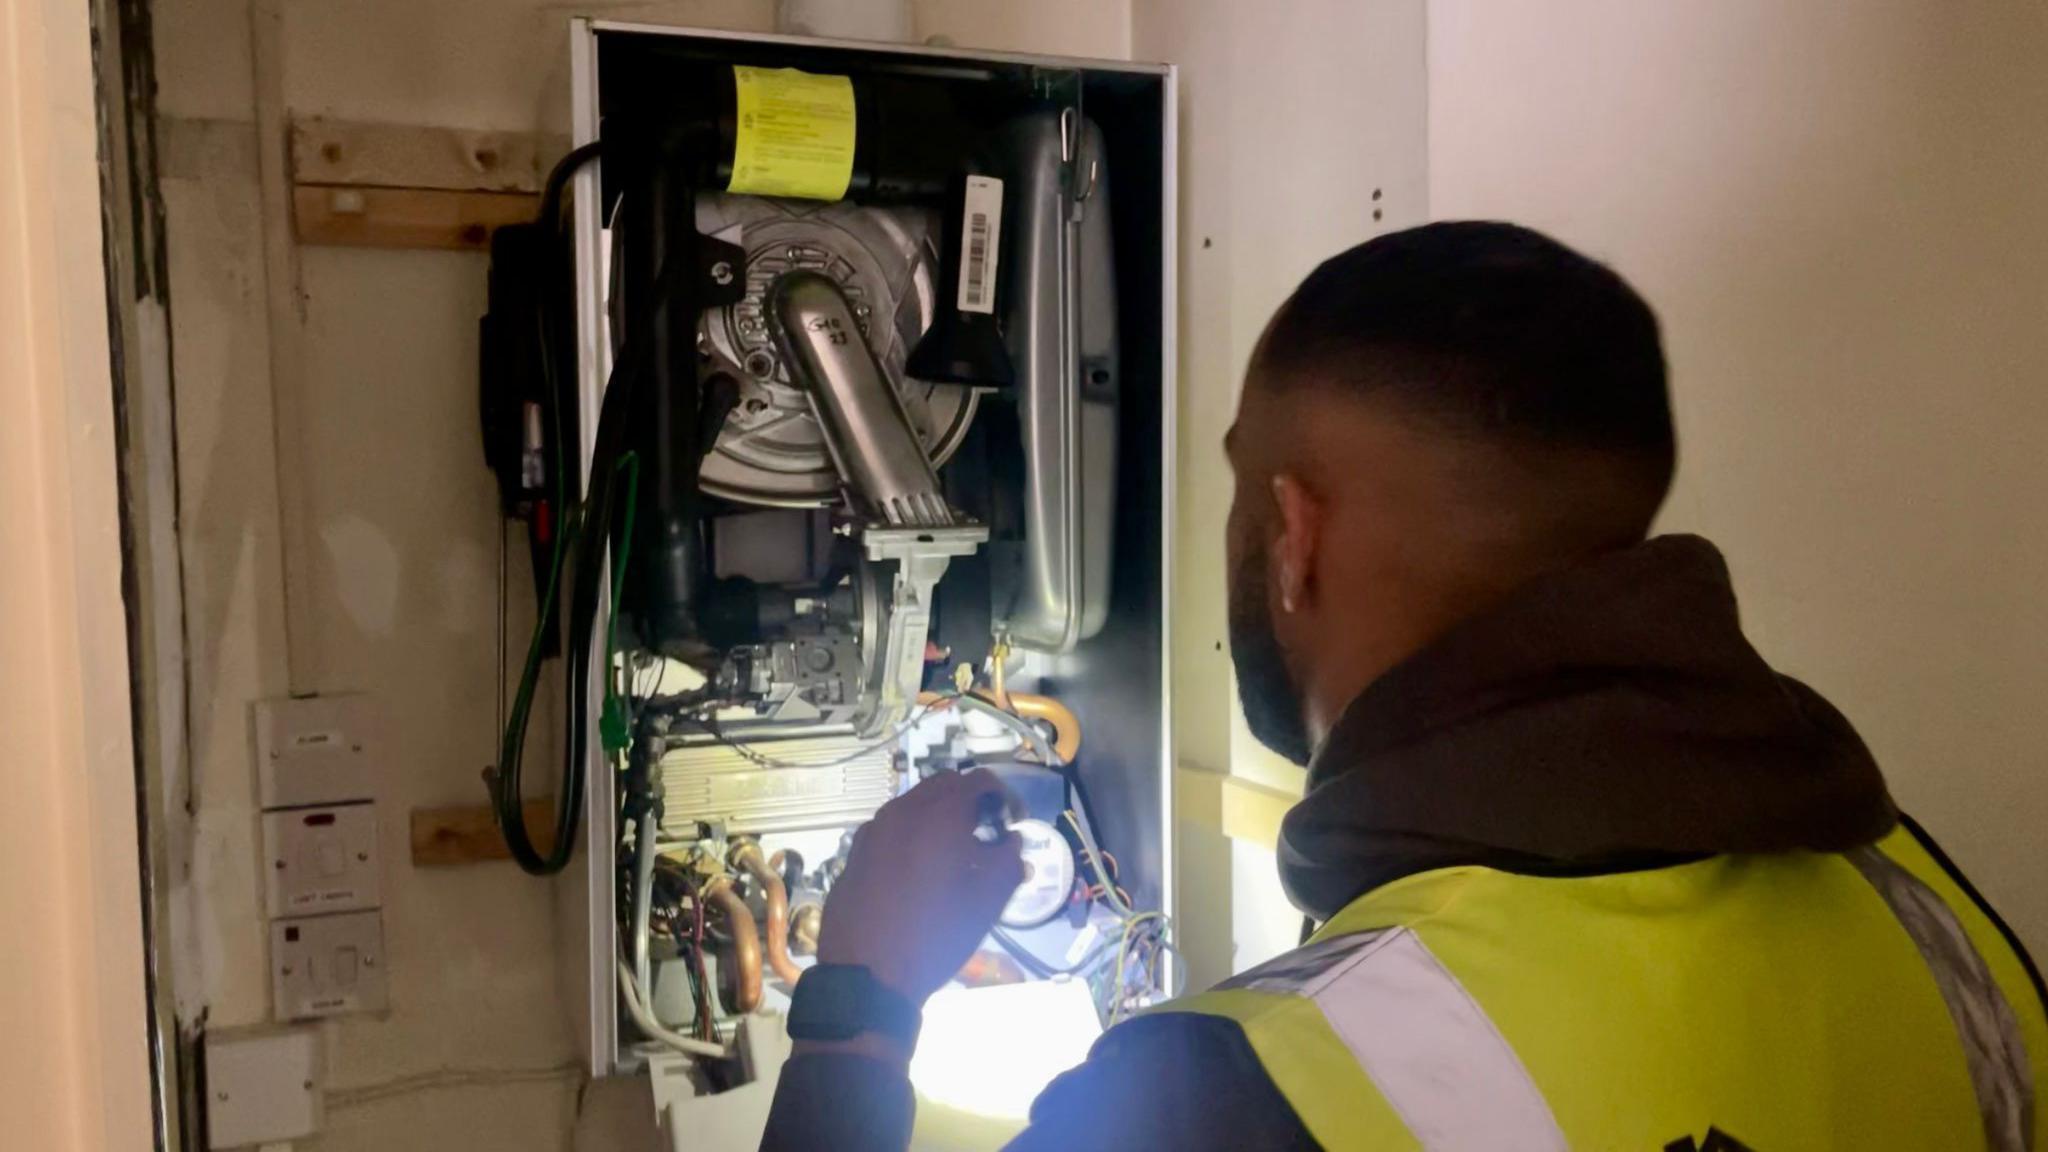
795 133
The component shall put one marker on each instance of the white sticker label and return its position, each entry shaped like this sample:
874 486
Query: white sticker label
981 237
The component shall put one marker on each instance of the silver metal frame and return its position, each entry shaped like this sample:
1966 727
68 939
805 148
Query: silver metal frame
948 55
1169 420
588 897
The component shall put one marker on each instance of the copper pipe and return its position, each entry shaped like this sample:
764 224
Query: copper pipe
746 856
804 924
785 861
985 968
746 945
998 692
1065 725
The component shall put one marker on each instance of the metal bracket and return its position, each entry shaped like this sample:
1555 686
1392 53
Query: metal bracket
722 269
919 557
1077 188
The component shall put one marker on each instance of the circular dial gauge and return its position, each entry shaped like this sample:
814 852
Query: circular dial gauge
1048 879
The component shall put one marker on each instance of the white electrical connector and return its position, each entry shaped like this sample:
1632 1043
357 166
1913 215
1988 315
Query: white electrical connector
648 676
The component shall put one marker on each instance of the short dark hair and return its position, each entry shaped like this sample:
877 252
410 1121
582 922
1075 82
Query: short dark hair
1488 330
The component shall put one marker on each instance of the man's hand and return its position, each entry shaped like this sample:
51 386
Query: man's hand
920 889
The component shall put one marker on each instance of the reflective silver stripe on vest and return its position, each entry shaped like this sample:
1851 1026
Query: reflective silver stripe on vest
1428 1047
1984 1019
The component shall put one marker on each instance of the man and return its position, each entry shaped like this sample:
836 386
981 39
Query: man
1588 872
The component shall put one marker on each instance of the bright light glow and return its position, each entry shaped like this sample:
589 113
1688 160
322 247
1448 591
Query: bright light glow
990 1051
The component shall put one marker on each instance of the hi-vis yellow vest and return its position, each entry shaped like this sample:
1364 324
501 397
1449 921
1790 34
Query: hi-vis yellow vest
1768 1003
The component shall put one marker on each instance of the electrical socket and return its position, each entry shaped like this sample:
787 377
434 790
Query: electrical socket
320 860
314 750
328 965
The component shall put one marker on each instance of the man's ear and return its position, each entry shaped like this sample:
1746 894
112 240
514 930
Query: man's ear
1300 542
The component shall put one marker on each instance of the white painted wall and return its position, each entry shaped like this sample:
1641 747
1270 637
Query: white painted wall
1837 210
1089 28
74 1072
1302 133
476 1051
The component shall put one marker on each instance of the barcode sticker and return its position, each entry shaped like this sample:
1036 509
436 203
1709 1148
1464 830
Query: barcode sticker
980 243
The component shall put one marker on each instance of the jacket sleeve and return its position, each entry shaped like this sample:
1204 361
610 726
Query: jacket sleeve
1174 1080
839 1101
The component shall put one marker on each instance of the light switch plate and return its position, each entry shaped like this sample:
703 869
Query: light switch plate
314 750
262 1086
320 860
328 965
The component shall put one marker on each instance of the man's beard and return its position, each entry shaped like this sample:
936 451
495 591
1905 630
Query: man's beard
1271 699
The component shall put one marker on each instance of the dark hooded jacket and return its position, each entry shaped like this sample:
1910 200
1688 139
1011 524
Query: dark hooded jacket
1609 716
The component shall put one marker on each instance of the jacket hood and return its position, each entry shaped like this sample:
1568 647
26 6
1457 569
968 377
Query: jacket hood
1607 716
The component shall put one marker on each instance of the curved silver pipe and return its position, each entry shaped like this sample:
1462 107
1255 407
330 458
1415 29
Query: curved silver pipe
866 426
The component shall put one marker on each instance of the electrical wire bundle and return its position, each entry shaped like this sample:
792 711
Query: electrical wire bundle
1146 933
759 759
1145 937
678 914
667 900
1142 942
570 543
582 560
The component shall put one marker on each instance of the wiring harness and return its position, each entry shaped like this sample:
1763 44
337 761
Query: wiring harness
578 560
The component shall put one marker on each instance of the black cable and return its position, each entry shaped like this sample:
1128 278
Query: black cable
506 795
1036 965
586 535
1077 794
592 535
558 178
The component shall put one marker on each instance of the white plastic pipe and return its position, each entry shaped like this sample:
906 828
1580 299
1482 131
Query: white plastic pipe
653 1029
846 19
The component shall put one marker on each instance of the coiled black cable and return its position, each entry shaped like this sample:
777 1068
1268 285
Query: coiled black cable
504 780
